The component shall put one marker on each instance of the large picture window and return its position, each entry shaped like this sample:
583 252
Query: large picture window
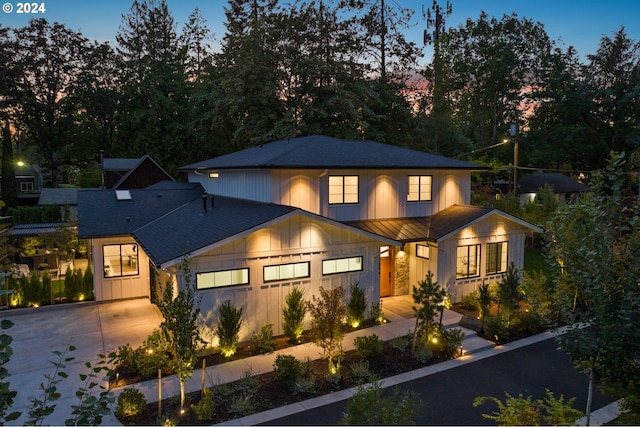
497 257
343 189
467 261
297 270
341 265
219 279
419 188
120 260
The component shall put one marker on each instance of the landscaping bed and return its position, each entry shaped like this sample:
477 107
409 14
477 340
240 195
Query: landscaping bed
257 393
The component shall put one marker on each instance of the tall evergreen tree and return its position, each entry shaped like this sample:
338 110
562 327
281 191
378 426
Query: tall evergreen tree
153 100
9 186
194 41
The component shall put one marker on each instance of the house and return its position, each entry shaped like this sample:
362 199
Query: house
65 198
311 211
564 187
29 179
126 174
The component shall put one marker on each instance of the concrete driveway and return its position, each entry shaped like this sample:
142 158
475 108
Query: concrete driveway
93 328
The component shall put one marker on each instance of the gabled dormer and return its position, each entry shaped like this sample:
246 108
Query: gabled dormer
339 179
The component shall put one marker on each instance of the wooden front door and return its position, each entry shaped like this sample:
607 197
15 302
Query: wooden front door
386 272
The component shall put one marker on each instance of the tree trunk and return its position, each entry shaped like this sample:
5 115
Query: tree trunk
589 394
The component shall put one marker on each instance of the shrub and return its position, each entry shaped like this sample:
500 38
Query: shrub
87 283
484 300
368 346
496 329
228 330
360 371
470 301
127 358
422 351
263 342
400 344
293 314
205 408
368 406
529 322
451 341
377 314
46 287
305 384
287 368
241 407
334 380
155 354
357 305
130 402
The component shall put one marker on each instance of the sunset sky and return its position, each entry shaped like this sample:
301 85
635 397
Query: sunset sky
579 23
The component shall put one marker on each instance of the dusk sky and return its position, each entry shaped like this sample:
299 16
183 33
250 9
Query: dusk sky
580 23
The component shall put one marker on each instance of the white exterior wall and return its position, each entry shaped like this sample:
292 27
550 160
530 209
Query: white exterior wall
115 288
382 193
491 230
293 240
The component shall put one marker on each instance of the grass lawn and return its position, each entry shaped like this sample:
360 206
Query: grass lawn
534 260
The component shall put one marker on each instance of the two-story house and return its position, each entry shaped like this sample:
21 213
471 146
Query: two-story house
310 211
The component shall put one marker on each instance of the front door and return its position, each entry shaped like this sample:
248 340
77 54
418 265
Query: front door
386 271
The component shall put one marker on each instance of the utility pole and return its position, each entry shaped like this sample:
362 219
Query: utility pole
514 136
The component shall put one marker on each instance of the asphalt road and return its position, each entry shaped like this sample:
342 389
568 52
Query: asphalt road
447 396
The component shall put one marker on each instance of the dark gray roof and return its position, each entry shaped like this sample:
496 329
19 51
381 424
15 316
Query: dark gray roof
109 164
560 183
58 196
424 228
189 228
323 152
101 214
25 230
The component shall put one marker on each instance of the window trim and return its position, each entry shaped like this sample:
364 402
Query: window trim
280 277
477 262
342 193
419 193
120 245
488 256
201 273
348 270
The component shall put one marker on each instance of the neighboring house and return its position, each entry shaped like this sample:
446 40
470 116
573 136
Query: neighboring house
311 211
28 184
126 174
63 198
564 187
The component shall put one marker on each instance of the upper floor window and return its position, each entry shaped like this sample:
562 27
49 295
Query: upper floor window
467 261
419 188
26 186
497 257
120 260
219 279
343 189
297 270
341 265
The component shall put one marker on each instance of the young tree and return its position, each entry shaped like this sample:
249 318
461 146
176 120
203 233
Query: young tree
293 314
594 249
327 313
430 296
180 313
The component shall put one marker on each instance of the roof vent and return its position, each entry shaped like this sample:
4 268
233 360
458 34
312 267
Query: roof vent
123 195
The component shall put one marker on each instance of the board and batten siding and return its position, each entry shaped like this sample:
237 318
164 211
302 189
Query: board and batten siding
250 184
115 288
296 239
382 193
493 229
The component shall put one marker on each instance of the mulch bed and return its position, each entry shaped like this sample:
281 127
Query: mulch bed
271 393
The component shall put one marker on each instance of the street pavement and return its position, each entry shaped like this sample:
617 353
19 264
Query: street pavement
448 395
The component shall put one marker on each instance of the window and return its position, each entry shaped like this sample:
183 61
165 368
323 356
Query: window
419 188
422 251
497 257
467 261
341 265
26 186
343 189
296 270
120 260
219 279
